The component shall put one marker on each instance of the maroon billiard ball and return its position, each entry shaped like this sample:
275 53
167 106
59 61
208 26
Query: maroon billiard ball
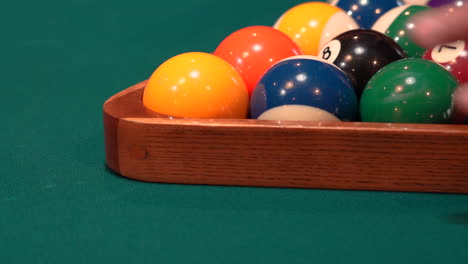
453 56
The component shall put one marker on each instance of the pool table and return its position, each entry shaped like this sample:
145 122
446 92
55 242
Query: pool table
60 203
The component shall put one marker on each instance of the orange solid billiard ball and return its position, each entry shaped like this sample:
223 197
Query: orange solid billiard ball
197 85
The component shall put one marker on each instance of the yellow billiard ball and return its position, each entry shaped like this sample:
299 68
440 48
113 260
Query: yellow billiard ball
311 25
197 85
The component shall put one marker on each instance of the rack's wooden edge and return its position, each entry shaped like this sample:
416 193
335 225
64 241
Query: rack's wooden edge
135 112
146 146
116 108
133 88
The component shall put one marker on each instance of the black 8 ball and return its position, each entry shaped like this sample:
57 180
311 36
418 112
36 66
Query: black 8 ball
360 54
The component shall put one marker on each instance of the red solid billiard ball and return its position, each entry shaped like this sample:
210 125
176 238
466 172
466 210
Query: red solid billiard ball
453 57
253 50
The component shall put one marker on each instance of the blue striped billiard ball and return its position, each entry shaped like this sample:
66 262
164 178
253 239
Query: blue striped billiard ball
366 12
307 81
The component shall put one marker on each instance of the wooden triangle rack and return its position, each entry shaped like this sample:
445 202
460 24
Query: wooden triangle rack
147 146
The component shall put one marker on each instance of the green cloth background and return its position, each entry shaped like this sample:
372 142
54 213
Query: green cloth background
60 60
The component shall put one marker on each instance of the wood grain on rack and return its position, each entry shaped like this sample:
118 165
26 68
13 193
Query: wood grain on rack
148 146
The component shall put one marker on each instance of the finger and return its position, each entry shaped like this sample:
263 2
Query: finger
441 25
461 99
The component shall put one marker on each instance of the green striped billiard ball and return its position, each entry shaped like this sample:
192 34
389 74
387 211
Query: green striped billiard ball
397 25
409 91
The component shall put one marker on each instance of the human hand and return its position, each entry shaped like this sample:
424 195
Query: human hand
442 25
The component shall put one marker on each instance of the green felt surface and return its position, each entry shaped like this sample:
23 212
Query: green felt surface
60 60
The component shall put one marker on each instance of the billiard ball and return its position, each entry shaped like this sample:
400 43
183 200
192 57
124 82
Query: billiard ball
313 24
253 50
365 13
305 80
411 90
197 85
432 3
360 53
397 25
297 113
459 117
453 56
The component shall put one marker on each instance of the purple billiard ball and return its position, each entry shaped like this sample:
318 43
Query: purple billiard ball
433 3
